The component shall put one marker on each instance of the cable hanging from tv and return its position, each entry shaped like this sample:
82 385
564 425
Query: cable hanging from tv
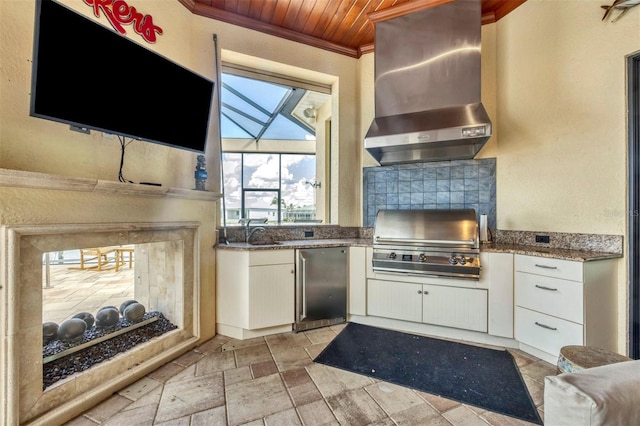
123 145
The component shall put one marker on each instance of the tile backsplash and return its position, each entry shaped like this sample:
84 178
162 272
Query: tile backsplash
434 185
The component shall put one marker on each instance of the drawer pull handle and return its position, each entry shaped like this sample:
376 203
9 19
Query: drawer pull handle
546 288
546 266
545 326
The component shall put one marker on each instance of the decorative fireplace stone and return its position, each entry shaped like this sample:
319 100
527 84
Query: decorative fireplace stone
167 282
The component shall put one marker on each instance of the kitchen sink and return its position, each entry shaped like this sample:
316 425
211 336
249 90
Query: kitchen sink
267 243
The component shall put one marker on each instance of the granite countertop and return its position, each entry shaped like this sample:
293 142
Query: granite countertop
299 244
555 253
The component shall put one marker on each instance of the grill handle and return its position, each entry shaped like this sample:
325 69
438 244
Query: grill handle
426 242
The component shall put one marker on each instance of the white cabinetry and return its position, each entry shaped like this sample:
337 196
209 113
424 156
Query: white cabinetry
445 305
255 292
395 300
563 302
497 276
357 302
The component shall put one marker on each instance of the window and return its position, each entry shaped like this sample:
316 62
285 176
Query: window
278 187
268 127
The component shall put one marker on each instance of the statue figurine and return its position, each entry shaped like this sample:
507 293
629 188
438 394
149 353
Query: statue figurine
201 173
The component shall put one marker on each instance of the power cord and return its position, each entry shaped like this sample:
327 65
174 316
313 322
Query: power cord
123 145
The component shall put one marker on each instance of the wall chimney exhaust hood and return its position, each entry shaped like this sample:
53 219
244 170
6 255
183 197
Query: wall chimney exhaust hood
427 86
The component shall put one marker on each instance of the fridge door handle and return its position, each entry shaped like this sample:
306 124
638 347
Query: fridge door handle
302 286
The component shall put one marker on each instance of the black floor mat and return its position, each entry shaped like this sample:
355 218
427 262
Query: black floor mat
482 377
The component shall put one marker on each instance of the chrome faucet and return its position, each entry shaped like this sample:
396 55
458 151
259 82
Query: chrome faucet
247 228
253 231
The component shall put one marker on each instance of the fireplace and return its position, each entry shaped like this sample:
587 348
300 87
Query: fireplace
166 277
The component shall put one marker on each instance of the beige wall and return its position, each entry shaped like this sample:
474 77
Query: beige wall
561 116
33 144
562 120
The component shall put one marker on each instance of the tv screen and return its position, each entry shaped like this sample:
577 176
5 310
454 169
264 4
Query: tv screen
89 76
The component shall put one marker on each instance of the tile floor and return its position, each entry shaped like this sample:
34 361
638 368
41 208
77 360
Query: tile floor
262 381
72 291
274 381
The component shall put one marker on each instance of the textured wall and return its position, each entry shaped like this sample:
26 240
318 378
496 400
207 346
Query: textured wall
562 122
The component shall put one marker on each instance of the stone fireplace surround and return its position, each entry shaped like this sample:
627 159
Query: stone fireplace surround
21 390
173 268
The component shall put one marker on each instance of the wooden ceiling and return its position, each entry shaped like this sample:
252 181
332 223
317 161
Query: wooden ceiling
342 26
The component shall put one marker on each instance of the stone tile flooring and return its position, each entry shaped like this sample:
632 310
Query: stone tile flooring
274 381
261 381
72 291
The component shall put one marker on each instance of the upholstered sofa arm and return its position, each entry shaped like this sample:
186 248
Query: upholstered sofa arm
606 395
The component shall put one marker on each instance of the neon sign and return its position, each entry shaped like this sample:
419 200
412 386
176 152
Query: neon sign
119 13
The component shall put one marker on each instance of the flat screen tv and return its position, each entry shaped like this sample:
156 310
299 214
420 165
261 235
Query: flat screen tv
89 76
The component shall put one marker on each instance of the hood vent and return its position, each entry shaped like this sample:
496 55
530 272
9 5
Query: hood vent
427 86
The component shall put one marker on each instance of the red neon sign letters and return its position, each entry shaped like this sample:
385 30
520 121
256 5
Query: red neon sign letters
119 13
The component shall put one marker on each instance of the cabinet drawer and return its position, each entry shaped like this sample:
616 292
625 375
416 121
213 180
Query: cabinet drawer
556 268
553 296
270 257
545 332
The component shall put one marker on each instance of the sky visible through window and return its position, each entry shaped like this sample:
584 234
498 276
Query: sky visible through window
261 182
288 173
250 109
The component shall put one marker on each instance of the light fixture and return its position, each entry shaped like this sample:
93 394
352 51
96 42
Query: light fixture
310 112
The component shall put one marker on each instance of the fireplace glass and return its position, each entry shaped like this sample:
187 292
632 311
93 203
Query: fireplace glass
99 302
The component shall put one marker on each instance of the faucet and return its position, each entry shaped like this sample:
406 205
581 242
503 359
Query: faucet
247 227
253 231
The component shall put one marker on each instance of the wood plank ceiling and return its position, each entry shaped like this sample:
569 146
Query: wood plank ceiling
342 26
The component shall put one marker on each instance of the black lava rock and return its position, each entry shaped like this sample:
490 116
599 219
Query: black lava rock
82 360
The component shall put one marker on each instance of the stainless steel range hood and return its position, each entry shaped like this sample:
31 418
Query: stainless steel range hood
427 86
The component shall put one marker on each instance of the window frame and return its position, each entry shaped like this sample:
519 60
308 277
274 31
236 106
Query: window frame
276 147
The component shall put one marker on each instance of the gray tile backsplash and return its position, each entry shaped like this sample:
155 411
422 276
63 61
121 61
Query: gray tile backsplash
434 185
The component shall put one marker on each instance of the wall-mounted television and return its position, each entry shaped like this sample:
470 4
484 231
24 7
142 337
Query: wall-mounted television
89 76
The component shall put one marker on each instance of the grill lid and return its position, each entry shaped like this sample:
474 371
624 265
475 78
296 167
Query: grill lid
427 228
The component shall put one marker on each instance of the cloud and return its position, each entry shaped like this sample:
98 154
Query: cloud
265 170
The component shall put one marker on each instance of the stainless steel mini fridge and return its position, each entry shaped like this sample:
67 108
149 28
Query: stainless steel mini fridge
321 287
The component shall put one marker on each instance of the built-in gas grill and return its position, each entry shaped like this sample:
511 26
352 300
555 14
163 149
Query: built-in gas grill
443 243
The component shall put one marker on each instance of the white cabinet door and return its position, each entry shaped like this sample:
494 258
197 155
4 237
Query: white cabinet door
252 297
401 301
232 281
271 296
357 281
455 307
497 277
